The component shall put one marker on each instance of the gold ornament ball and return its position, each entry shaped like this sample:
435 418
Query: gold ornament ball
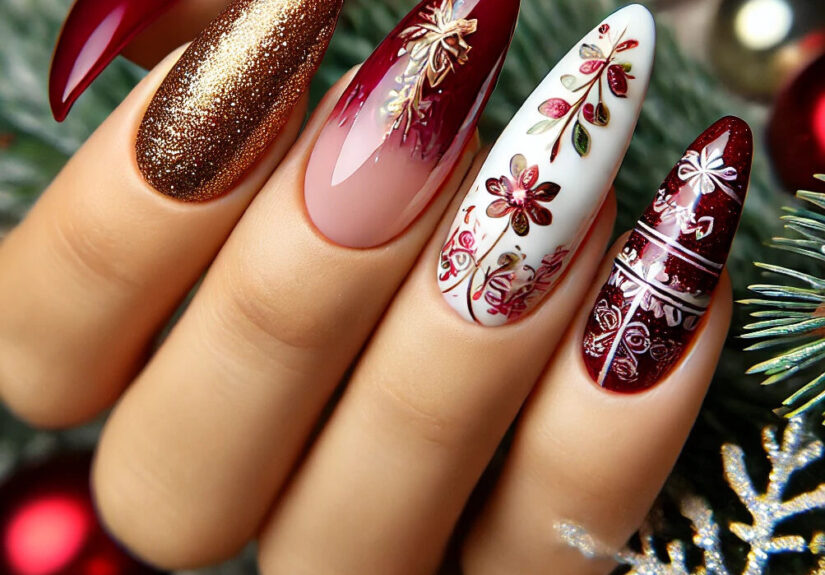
758 45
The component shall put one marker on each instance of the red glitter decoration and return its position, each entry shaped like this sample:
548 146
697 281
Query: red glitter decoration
662 281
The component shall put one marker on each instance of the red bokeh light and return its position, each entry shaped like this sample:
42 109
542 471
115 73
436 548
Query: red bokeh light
46 534
819 121
102 566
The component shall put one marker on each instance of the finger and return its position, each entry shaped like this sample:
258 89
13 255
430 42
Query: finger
433 394
589 459
283 310
103 259
420 419
597 455
96 31
246 372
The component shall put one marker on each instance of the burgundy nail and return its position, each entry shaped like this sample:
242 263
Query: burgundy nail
400 126
662 281
95 31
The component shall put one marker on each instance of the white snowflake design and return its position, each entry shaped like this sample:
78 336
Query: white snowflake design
669 210
654 273
768 510
706 171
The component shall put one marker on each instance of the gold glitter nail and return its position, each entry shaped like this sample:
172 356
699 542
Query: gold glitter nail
230 94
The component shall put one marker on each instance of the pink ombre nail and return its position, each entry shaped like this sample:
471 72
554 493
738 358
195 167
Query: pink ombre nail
94 33
401 125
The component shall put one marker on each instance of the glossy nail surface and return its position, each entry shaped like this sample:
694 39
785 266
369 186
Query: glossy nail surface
399 128
545 179
95 31
662 280
230 94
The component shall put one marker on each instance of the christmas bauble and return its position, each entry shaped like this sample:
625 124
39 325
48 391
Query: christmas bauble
49 527
796 131
758 45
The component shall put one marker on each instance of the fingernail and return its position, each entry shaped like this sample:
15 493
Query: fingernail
399 128
663 278
95 31
230 94
545 179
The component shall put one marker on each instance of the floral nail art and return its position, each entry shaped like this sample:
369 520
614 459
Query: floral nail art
516 233
521 198
507 288
601 67
662 280
437 45
405 118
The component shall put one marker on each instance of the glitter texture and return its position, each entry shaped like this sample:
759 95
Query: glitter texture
660 287
230 94
768 510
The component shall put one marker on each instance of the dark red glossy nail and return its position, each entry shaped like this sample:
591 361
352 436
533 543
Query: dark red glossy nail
399 128
662 281
94 33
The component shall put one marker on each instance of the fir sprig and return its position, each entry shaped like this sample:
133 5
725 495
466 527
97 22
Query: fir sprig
791 318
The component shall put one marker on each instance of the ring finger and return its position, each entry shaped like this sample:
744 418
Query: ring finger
284 309
103 258
436 388
597 455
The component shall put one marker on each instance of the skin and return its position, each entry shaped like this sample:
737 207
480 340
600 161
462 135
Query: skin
221 433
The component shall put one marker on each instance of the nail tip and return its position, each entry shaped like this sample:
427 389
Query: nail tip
638 10
95 32
60 111
534 153
212 117
406 120
662 280
61 103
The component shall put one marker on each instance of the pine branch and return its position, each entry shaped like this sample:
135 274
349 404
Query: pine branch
796 328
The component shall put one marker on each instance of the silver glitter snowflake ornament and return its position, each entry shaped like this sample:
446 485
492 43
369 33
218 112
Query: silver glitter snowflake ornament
767 511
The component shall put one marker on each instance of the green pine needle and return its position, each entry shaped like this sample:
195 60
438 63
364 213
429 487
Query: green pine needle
792 321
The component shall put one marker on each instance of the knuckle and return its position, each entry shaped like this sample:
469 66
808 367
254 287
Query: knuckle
93 250
41 386
268 303
173 536
28 393
421 412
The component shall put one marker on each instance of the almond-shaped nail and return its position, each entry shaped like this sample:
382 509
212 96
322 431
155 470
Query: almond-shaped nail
95 31
399 128
231 92
662 280
545 179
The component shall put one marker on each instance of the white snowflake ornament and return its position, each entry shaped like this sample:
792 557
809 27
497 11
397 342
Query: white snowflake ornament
767 511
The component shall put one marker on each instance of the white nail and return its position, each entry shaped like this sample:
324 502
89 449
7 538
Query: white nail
548 174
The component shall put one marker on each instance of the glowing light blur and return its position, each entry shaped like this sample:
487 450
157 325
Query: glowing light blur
46 534
763 24
818 120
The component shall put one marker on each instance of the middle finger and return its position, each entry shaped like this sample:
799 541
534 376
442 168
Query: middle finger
433 394
247 370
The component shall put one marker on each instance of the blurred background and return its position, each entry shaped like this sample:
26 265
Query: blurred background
763 60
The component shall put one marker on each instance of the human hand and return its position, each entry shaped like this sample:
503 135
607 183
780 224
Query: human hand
222 433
